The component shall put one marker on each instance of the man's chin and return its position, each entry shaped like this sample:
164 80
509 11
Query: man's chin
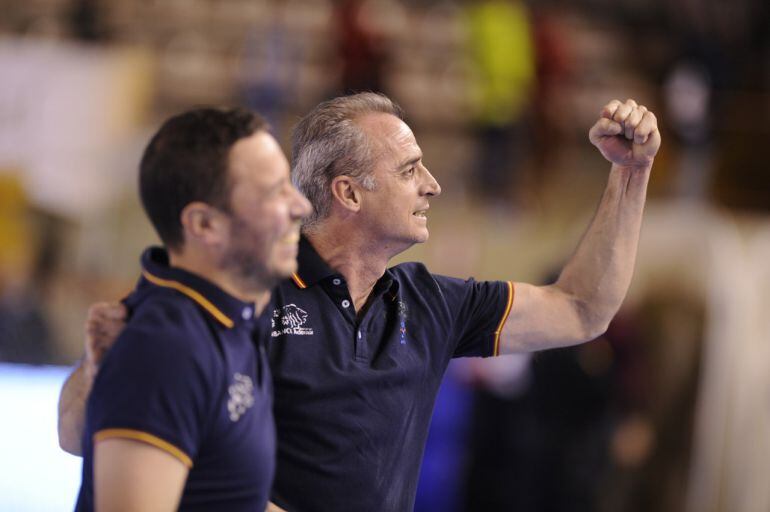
421 237
284 269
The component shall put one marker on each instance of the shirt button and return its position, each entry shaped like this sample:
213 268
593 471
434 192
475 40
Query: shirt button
345 303
246 313
337 281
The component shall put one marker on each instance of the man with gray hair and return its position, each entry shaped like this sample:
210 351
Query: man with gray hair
330 143
358 350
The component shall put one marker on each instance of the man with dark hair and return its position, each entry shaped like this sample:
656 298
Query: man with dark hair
180 415
358 350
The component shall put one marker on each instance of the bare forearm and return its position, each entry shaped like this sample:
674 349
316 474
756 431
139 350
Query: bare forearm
593 284
72 405
599 273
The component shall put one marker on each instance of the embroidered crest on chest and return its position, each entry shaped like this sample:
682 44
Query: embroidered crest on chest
241 393
290 319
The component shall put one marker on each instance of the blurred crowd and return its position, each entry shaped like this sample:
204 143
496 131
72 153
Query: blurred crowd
500 94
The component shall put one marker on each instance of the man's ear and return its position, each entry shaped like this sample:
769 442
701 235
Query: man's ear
346 192
204 224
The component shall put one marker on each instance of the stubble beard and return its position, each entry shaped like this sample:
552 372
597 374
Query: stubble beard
247 260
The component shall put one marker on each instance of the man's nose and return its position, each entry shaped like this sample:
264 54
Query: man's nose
431 186
302 207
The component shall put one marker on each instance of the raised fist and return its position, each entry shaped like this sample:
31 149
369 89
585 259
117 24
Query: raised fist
626 134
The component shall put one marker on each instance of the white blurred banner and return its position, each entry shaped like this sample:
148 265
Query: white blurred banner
35 474
65 109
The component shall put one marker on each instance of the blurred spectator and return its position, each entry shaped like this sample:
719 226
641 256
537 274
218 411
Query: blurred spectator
729 43
688 95
360 47
503 72
24 333
657 350
441 486
86 21
540 449
553 69
604 426
269 68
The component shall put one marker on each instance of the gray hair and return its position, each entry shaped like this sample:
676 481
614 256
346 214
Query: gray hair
328 143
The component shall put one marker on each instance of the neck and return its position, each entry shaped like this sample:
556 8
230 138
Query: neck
360 260
231 284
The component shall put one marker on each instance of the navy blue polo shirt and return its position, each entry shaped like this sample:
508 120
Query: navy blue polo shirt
354 394
186 376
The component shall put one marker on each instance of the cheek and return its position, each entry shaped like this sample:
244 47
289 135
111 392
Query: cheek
256 229
268 221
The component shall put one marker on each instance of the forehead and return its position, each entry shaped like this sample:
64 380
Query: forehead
259 159
390 136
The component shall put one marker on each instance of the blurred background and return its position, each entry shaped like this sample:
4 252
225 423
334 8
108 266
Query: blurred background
669 411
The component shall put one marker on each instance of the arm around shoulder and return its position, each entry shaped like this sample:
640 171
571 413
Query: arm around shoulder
105 320
72 410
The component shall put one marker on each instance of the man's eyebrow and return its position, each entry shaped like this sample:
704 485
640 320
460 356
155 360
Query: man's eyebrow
276 185
411 161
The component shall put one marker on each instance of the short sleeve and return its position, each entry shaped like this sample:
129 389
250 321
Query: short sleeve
154 384
479 310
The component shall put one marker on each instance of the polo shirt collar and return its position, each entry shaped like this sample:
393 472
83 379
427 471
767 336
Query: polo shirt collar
311 269
225 308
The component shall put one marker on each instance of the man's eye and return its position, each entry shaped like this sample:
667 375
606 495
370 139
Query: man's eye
410 171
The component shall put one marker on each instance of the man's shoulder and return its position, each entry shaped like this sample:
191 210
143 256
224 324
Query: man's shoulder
411 270
414 278
418 274
169 315
166 333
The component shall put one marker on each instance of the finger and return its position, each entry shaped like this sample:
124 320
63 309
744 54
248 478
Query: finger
632 121
109 310
98 307
622 113
609 109
98 327
603 128
97 332
100 334
104 330
653 140
646 126
631 103
117 311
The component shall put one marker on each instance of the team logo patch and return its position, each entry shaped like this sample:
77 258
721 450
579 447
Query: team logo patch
241 396
403 313
290 319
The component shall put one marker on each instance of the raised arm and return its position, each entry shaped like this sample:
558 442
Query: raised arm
104 322
594 282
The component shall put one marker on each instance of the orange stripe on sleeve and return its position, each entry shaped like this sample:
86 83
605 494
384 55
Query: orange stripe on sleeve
500 326
138 435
